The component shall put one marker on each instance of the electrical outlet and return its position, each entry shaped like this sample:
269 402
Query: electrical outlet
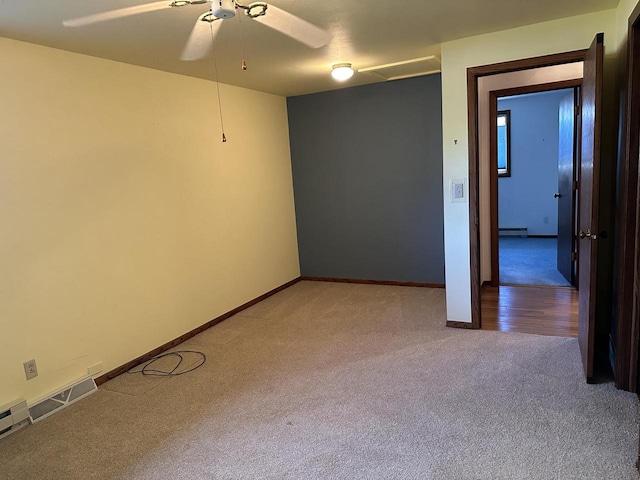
30 369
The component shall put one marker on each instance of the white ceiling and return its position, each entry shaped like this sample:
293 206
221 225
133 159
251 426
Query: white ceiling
365 33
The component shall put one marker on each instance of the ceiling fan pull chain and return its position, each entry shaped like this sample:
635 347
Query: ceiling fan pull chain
244 63
215 66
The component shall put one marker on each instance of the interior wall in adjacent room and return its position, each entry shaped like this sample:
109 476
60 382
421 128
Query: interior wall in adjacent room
367 172
525 198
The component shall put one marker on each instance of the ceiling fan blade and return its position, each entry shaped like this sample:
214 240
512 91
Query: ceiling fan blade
294 27
119 13
200 41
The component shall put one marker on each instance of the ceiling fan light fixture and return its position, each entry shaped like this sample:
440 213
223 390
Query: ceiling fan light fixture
342 71
223 8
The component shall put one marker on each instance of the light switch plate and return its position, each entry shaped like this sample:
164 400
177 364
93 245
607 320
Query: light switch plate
458 190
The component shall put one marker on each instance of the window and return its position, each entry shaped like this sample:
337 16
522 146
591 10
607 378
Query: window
504 140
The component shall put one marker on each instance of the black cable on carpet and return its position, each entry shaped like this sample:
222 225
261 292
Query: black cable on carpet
169 373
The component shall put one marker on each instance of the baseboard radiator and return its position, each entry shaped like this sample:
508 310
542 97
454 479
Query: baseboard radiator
513 232
13 417
62 399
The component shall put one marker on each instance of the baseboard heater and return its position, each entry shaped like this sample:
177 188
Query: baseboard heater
513 232
61 399
13 416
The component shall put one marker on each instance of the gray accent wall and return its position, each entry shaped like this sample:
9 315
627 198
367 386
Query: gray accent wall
367 175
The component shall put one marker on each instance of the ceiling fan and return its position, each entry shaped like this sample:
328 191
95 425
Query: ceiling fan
208 24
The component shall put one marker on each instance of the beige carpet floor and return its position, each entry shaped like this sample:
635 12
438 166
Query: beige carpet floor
338 381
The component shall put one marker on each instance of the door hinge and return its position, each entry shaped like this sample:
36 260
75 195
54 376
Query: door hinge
576 110
574 186
574 256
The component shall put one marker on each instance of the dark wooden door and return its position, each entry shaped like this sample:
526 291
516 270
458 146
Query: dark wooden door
589 200
566 202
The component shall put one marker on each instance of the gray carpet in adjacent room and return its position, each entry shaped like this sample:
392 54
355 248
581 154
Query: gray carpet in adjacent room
530 261
339 381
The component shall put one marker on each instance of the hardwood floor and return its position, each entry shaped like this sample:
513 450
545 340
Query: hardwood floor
539 310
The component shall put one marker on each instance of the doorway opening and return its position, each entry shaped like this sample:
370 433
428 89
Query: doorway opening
534 143
529 262
534 156
533 147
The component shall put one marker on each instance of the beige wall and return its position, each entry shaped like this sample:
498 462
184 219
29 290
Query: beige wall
125 221
566 34
624 10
